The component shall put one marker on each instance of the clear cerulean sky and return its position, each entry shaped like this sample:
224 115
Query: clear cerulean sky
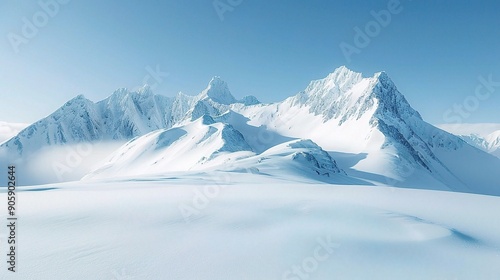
433 50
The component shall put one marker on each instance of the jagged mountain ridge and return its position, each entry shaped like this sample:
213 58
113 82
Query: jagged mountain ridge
489 143
345 99
343 112
370 116
484 136
122 116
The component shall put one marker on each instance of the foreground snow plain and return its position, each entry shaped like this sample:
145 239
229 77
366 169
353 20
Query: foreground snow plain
238 225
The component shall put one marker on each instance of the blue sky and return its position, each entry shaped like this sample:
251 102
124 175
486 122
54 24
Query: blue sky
435 53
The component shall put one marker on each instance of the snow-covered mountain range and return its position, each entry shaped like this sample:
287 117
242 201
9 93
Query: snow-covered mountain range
489 143
342 127
123 115
483 136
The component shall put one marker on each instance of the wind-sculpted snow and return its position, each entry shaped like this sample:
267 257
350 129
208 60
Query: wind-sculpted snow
253 227
188 147
322 163
208 145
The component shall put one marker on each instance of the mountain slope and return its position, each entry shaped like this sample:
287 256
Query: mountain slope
188 147
369 116
9 130
382 139
484 136
122 116
493 140
208 145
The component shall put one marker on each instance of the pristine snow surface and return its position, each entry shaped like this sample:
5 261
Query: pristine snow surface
238 225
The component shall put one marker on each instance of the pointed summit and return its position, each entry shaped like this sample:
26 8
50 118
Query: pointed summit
343 71
78 101
218 91
343 75
145 90
339 80
391 102
384 79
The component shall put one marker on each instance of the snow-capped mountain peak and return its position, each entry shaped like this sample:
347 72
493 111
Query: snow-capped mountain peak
390 100
345 94
366 118
484 136
494 140
218 91
343 77
77 99
145 90
340 80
